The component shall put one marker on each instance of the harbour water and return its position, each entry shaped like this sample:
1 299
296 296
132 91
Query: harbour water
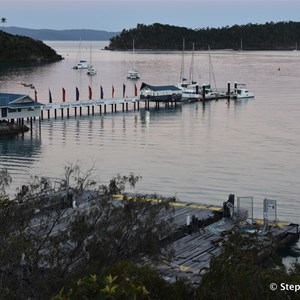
198 152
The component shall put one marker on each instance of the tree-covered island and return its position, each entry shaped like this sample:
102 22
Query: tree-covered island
268 36
15 48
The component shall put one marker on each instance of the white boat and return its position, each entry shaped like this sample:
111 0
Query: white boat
133 73
83 64
194 92
242 92
91 70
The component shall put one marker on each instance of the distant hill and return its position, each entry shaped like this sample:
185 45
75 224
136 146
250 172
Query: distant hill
268 36
62 35
15 48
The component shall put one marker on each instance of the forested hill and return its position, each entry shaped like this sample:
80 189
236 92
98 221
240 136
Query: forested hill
20 48
268 36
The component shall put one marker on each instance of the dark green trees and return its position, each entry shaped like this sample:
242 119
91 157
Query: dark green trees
268 36
47 242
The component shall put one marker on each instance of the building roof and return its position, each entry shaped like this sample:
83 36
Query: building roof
160 88
9 100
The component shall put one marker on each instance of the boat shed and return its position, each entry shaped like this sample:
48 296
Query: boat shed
160 93
18 106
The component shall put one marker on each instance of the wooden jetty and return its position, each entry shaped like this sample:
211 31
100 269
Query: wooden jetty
195 248
199 233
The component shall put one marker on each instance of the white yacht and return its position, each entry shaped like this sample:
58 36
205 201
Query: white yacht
133 73
83 64
91 71
242 92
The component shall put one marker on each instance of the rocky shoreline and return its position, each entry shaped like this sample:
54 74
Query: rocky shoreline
7 128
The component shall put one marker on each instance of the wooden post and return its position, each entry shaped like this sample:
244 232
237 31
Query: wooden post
88 110
115 107
40 126
42 115
126 106
138 105
104 108
112 107
75 111
31 124
80 111
100 109
48 113
62 112
55 113
228 90
68 112
134 105
93 110
203 92
122 106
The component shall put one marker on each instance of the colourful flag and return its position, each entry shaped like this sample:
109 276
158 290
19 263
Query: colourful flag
90 93
135 90
77 94
101 92
124 89
63 95
50 97
113 91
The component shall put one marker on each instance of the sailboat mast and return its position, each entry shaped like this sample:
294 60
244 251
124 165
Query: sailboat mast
90 54
182 62
192 66
211 70
133 64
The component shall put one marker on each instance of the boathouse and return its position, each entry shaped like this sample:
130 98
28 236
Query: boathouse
160 93
18 106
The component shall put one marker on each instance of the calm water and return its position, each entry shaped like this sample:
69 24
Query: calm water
196 152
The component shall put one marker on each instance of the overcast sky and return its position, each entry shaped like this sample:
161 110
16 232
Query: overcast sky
115 15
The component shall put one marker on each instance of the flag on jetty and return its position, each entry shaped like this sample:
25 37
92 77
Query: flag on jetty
112 91
35 95
90 93
77 94
124 89
135 90
63 95
101 92
50 97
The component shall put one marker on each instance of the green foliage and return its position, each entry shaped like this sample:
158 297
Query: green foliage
124 281
21 49
244 270
268 36
47 244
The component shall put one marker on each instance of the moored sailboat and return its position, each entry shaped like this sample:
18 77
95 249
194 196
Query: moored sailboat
133 73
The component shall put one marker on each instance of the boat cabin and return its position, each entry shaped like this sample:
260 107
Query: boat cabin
160 93
18 106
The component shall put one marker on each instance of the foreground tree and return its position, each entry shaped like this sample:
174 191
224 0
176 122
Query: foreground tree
248 268
51 238
126 280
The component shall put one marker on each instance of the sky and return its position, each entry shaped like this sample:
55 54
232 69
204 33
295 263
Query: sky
116 15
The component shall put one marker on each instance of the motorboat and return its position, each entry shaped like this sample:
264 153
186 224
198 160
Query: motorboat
242 92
